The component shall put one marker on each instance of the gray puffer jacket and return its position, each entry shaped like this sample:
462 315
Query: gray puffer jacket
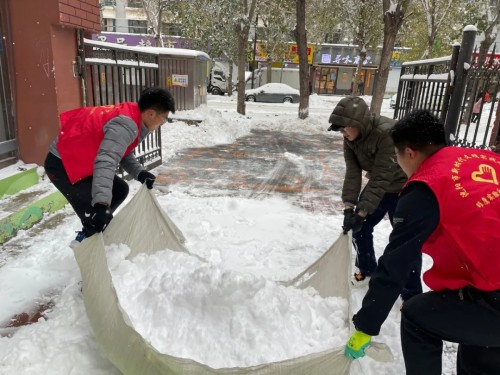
119 133
372 152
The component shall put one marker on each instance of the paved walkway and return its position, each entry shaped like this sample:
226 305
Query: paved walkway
308 169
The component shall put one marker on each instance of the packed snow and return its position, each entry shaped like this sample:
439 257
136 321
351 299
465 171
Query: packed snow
250 244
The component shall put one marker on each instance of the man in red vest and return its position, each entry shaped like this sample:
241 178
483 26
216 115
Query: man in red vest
450 210
92 142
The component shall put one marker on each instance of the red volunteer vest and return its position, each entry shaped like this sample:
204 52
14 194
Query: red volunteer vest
465 247
81 134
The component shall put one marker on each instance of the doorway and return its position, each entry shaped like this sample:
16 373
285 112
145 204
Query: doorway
326 80
8 142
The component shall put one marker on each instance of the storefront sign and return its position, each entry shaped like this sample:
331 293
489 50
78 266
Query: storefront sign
290 57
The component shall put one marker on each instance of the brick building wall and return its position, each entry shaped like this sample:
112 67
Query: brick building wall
44 36
80 14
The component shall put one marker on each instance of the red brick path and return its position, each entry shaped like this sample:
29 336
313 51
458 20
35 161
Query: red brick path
307 169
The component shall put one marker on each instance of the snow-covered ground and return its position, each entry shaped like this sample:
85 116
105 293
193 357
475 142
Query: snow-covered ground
235 233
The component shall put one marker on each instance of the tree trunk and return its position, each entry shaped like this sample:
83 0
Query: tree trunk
484 47
159 39
243 30
358 88
301 39
392 23
269 72
242 60
230 78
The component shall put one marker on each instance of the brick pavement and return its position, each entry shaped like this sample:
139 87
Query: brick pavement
307 169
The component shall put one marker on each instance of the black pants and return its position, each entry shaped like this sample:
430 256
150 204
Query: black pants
468 317
365 252
79 195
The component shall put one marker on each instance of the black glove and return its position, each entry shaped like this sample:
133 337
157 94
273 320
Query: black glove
348 213
147 178
356 222
100 217
352 221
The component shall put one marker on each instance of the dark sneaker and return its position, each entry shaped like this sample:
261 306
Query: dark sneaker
360 279
80 236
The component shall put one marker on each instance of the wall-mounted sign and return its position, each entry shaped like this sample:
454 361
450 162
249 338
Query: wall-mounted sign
326 58
180 80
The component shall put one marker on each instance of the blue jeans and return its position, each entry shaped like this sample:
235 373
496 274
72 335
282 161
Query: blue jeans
363 243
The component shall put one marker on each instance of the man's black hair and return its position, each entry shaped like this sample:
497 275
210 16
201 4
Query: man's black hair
418 130
157 99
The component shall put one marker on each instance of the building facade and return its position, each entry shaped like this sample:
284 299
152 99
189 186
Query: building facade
38 71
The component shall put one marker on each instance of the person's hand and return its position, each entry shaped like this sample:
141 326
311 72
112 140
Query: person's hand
100 217
147 178
356 223
348 213
356 345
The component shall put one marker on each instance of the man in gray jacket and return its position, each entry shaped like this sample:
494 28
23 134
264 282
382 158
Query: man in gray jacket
92 142
369 147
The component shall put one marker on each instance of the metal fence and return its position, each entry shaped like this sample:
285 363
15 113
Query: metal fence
449 87
112 75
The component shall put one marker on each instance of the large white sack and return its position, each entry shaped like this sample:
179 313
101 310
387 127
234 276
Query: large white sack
142 224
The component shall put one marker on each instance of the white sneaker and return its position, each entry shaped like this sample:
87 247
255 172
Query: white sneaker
74 244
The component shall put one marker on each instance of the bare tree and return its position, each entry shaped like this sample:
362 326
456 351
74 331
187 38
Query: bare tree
394 14
278 19
436 12
360 20
154 10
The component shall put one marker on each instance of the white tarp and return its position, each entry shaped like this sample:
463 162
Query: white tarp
142 224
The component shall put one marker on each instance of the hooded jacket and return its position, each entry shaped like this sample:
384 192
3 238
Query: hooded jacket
372 152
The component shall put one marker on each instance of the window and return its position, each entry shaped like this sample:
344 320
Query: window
108 3
135 4
137 27
108 24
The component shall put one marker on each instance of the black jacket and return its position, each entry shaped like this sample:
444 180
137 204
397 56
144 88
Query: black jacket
416 217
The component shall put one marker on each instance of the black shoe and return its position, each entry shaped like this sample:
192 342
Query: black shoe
80 236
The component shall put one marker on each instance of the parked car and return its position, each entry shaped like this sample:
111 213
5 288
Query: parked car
273 93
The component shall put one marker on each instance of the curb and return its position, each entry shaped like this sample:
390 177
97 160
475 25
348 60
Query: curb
17 182
30 215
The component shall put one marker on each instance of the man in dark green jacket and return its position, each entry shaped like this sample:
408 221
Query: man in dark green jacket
369 147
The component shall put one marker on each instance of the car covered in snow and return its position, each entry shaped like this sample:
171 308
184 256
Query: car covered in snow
273 93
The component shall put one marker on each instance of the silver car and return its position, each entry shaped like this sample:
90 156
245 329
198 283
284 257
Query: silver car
273 93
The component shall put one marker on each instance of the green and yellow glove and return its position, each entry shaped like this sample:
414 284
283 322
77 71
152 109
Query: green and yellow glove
355 347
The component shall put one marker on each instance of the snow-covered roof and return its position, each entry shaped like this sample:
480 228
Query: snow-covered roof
150 50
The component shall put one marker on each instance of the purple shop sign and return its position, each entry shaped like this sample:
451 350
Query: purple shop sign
126 39
137 40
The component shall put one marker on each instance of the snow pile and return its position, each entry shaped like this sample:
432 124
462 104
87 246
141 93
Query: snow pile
222 318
